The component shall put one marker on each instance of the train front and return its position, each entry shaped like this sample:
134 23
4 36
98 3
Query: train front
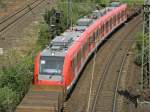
48 68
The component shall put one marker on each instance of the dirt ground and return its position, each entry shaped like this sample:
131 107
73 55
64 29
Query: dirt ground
21 37
9 6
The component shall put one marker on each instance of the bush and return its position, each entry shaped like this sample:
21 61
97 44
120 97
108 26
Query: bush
8 99
43 36
15 82
139 44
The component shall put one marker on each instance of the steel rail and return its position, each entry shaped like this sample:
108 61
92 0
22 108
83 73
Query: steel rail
15 13
108 63
118 81
32 6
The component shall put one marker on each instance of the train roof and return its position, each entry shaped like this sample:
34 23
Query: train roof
115 4
84 21
60 45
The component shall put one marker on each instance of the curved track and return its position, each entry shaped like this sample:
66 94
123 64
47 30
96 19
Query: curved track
106 93
42 99
106 73
10 20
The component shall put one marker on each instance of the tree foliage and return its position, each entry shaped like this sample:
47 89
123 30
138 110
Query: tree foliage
139 43
15 82
43 36
8 99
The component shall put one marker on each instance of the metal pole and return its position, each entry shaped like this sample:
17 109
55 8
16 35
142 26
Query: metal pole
142 69
69 13
149 46
145 75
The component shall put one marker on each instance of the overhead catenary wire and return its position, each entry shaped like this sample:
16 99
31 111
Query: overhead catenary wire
85 3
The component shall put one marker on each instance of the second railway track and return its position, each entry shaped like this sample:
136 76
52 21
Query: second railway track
81 91
105 95
10 20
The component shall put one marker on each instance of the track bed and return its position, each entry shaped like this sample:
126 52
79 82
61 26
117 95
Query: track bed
42 99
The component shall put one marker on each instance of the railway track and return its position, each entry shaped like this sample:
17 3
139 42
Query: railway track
79 98
13 18
105 96
42 99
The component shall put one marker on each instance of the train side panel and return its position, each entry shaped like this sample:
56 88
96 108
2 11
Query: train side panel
97 32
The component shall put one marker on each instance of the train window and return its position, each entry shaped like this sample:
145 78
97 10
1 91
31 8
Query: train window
84 48
111 22
82 54
92 38
115 19
86 45
102 29
97 34
79 57
74 63
122 14
107 26
117 16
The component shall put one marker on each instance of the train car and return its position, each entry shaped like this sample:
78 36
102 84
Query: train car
60 64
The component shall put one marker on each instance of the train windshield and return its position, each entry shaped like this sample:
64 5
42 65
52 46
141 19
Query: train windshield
51 65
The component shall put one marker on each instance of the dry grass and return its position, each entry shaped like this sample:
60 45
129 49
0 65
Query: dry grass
9 6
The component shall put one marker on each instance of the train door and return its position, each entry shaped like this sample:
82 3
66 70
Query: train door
102 31
90 43
86 49
82 59
107 27
119 17
111 22
97 36
79 60
74 65
122 15
115 22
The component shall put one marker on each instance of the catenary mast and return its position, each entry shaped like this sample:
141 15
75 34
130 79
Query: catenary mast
145 72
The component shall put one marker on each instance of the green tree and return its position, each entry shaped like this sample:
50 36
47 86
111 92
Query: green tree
8 100
43 36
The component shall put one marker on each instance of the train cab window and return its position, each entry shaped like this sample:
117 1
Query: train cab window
51 65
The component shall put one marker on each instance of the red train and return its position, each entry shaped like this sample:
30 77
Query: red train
61 63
